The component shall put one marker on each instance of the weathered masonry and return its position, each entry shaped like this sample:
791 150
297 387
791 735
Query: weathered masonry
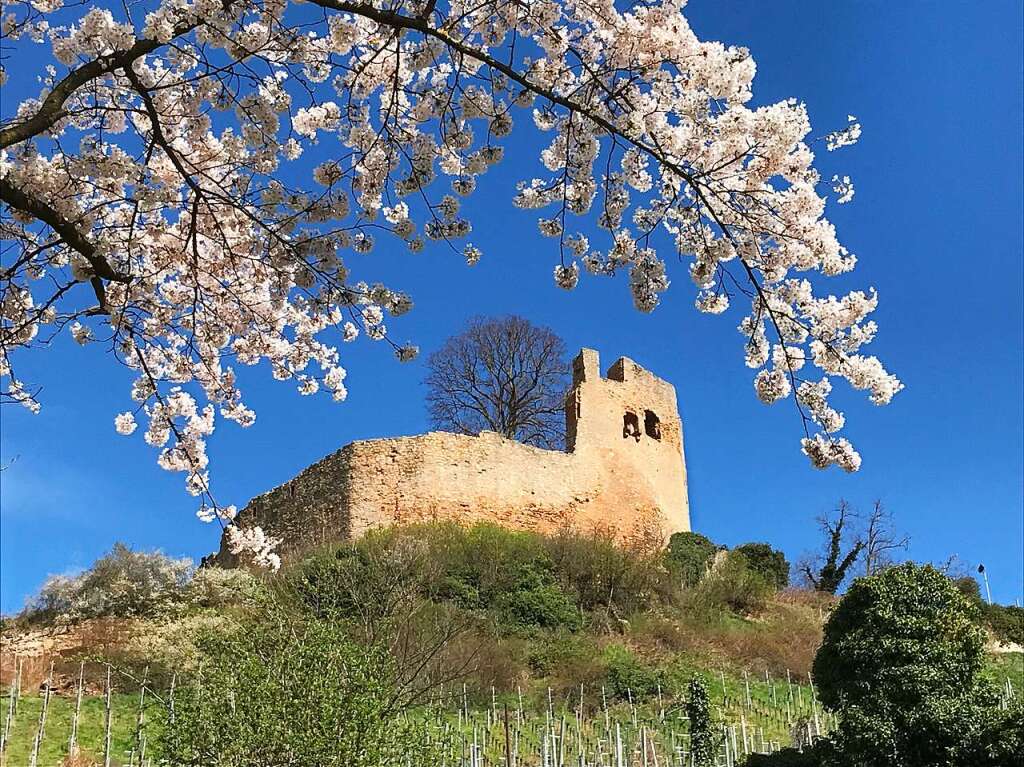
623 469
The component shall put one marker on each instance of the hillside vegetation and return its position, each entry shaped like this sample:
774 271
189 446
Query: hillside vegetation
454 630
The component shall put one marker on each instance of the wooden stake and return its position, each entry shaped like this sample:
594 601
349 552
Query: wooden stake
73 740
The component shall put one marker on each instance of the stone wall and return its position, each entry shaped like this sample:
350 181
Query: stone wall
623 470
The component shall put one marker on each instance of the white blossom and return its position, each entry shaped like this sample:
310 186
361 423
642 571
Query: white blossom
566 277
223 238
843 187
848 136
125 424
771 386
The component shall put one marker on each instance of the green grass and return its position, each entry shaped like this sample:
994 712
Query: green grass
54 746
1005 666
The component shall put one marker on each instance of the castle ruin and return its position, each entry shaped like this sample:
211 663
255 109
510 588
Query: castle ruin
623 470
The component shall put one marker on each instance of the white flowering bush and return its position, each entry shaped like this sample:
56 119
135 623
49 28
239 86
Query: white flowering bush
139 584
122 583
187 185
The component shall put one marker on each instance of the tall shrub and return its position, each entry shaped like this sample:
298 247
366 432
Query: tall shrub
770 563
280 690
689 556
900 662
703 733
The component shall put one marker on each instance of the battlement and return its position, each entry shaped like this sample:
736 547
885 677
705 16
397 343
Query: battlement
629 403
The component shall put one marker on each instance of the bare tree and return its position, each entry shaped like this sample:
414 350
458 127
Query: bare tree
881 539
501 374
827 571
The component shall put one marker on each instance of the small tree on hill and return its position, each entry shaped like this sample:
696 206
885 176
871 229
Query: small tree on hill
690 555
828 571
703 734
123 583
770 563
881 539
501 374
900 663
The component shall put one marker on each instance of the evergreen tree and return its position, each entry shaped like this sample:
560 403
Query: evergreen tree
703 736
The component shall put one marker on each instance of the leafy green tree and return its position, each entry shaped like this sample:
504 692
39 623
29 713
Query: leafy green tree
689 556
900 662
281 690
736 585
703 733
768 562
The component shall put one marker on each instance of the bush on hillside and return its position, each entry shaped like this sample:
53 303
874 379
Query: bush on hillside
1005 621
523 580
138 584
628 677
605 576
535 600
733 585
770 563
214 587
900 663
689 556
122 583
296 691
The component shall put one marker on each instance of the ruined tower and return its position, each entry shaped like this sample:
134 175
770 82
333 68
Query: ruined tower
628 422
623 470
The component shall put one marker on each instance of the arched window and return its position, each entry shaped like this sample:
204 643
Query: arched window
652 426
631 426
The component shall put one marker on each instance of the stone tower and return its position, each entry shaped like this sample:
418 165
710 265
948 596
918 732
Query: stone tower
629 423
622 470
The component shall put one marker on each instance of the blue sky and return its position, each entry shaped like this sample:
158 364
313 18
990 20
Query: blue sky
936 224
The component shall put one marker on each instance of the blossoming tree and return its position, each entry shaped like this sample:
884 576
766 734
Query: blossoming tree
157 198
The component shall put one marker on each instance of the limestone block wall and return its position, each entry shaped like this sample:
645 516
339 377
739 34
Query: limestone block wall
623 470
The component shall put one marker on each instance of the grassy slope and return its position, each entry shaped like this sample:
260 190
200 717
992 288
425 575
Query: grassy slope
54 746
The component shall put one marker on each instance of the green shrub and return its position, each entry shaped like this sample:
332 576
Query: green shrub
900 663
703 730
555 651
369 579
734 585
535 600
627 675
689 556
281 690
1006 622
770 563
605 576
969 587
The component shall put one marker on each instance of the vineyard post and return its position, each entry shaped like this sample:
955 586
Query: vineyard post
508 741
73 740
138 720
6 735
106 723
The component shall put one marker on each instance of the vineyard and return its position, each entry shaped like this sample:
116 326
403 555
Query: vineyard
753 714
